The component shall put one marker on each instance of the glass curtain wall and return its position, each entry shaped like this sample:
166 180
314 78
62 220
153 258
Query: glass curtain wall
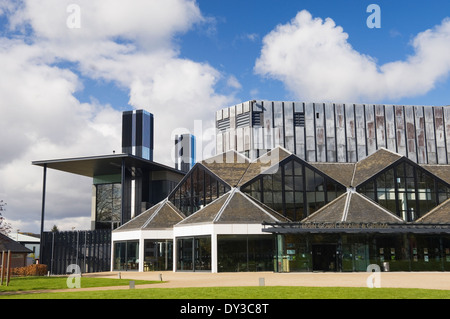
197 189
295 189
158 254
406 190
245 253
126 255
194 253
108 205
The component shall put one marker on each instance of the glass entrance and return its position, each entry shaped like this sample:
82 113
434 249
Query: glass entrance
194 253
324 257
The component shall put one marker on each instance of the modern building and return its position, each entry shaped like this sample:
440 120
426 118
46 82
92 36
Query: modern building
137 133
305 187
335 132
123 186
281 213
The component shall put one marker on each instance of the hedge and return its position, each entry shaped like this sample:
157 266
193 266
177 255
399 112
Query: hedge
31 270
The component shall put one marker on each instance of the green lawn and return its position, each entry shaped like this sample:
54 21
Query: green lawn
40 283
267 292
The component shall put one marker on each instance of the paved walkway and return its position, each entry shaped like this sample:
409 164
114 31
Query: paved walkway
427 280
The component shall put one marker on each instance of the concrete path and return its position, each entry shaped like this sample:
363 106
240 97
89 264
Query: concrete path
427 280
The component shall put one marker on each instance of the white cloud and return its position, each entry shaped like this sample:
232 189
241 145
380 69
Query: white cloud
129 44
315 61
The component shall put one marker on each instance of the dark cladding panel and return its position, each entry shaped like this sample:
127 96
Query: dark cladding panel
351 133
430 135
340 134
400 130
420 135
380 126
360 131
300 146
371 134
310 133
447 130
330 126
391 142
319 118
410 133
440 135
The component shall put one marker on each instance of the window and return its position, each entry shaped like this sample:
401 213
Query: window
295 189
406 189
126 255
196 190
194 253
108 204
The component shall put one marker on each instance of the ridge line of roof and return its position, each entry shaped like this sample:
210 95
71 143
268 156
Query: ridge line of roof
346 206
258 206
220 212
161 204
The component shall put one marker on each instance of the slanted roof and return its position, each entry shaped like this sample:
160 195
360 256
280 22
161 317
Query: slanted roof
373 164
340 172
265 162
438 215
228 166
161 216
234 207
352 207
441 171
7 243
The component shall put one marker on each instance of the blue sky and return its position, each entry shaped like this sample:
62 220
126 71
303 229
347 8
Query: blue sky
231 38
65 87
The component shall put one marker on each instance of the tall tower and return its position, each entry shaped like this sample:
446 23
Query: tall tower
137 133
184 152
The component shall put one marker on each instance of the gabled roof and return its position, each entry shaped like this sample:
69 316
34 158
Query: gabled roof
234 207
7 243
438 215
263 163
340 172
373 164
352 207
161 216
229 166
441 171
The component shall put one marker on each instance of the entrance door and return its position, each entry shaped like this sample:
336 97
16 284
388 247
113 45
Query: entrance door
324 257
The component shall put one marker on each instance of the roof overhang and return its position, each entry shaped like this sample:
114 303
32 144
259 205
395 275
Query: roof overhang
360 228
102 165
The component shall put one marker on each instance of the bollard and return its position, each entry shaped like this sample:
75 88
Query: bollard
131 284
262 282
160 277
118 275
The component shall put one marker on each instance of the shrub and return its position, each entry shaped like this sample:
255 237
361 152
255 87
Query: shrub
31 270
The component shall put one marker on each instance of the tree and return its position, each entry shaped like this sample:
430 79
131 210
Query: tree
55 229
5 228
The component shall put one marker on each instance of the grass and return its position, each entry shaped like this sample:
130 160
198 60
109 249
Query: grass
44 283
277 292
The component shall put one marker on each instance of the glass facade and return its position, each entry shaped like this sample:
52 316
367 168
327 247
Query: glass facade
355 252
194 253
126 255
294 189
108 205
197 189
245 253
407 190
158 254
